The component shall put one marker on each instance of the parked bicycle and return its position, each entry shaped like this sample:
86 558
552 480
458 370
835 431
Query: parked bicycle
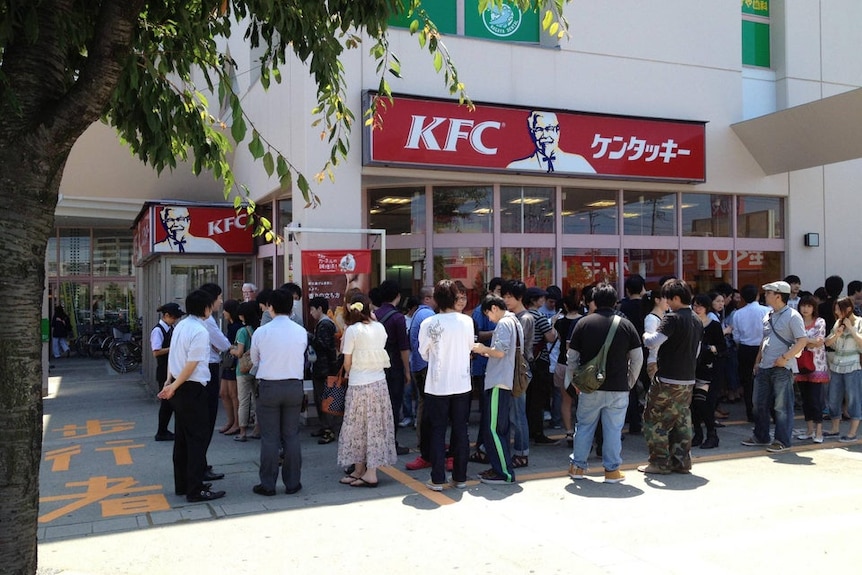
125 352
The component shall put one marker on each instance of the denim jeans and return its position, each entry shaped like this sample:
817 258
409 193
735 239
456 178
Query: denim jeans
518 419
847 385
611 407
773 390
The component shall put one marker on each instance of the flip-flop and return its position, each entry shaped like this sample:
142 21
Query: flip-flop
241 438
362 483
348 479
234 432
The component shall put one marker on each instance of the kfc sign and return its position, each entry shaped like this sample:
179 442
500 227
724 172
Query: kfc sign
442 134
182 228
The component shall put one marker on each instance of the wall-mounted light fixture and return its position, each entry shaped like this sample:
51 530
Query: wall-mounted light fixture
812 240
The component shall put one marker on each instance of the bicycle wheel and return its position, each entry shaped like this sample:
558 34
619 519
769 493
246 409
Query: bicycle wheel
82 346
94 345
124 357
106 345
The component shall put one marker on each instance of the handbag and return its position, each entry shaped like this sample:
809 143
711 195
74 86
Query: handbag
805 362
590 376
521 379
246 367
334 395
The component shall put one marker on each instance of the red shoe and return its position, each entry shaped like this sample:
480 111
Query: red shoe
450 463
418 463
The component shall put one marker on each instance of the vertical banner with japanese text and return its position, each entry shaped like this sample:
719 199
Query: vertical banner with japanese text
333 273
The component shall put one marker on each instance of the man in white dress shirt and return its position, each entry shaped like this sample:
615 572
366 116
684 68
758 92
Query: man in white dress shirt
188 378
278 351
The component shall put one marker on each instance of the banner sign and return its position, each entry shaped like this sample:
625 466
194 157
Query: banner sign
182 228
426 133
333 273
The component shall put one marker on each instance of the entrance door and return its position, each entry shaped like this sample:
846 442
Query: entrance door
184 276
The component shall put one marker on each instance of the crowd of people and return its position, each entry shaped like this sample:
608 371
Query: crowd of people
670 360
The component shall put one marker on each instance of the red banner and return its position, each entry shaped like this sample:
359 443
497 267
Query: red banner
442 134
190 229
333 273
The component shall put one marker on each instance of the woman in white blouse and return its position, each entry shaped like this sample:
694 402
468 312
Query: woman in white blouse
367 438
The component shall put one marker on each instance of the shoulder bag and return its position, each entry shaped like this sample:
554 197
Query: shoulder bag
521 379
591 375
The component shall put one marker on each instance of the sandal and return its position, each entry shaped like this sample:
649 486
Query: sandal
362 483
327 437
348 479
520 461
479 457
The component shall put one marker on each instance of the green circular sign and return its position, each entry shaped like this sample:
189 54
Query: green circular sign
503 21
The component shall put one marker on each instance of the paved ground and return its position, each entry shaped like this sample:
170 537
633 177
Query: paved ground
108 506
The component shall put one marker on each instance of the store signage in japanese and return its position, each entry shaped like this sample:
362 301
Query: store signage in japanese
334 273
442 134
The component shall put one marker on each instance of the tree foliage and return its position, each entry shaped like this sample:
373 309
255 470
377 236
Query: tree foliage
149 69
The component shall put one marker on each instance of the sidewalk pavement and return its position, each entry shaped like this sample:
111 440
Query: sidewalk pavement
107 504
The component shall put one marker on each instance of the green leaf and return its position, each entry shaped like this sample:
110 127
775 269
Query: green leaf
438 61
268 163
546 21
256 146
238 128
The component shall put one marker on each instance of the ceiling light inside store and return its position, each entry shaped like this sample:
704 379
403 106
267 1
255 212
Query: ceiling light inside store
482 211
602 204
394 200
528 201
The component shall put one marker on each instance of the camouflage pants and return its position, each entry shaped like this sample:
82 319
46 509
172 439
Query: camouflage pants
667 425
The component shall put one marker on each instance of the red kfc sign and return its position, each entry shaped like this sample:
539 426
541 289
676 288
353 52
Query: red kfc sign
442 134
182 228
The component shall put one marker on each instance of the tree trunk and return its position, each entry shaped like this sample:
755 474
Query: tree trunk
39 125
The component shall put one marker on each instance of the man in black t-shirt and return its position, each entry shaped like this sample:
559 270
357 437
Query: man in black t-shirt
609 403
667 417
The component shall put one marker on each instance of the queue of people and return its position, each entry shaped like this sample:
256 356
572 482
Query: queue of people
672 358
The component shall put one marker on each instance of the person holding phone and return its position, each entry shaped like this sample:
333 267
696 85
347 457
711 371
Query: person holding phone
845 370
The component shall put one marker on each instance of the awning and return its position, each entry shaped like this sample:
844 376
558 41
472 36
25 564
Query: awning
814 134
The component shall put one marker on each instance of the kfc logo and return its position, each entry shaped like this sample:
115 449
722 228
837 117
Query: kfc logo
423 135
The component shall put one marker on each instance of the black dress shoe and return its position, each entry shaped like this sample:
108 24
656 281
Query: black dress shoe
204 495
401 450
165 436
292 490
210 475
206 487
261 490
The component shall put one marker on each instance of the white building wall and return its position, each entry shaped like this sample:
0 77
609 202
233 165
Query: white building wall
672 59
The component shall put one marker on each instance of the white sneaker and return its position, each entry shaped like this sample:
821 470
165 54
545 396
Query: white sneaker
817 439
804 435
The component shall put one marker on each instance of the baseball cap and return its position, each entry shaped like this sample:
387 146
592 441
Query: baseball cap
536 292
778 287
173 309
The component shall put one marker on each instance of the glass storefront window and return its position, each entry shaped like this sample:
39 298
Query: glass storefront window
399 211
75 299
114 303
533 266
112 253
652 265
758 268
589 212
405 266
526 210
759 217
649 214
74 252
463 209
706 215
704 269
51 257
473 267
589 266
